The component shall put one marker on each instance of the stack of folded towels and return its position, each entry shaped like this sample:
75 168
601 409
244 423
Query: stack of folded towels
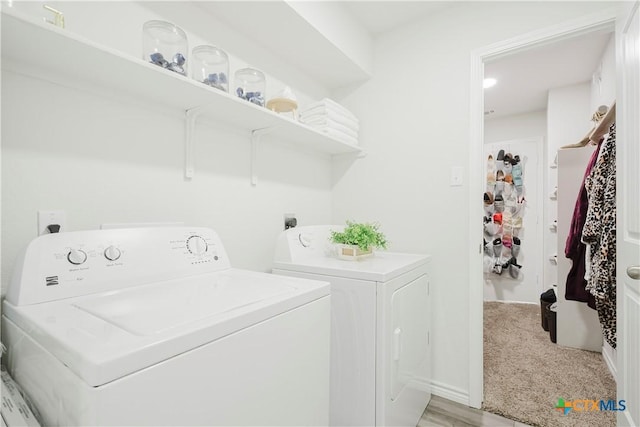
332 119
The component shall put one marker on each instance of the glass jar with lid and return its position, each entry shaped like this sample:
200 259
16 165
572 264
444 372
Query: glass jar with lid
165 44
250 85
210 65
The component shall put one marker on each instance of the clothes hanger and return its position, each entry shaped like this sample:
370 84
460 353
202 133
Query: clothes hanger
606 122
601 114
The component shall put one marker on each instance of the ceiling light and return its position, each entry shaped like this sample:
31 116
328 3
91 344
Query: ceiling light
489 82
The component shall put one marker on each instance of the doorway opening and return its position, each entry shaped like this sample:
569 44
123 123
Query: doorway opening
481 60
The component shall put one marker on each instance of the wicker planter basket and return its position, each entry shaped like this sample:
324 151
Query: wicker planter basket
353 252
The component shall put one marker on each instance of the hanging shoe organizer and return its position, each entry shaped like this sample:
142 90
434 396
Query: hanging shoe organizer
504 206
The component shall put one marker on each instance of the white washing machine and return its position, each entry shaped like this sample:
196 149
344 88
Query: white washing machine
151 326
379 327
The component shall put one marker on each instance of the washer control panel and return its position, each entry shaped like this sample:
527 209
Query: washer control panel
64 265
197 248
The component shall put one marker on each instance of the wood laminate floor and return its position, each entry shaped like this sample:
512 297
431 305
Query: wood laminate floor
445 413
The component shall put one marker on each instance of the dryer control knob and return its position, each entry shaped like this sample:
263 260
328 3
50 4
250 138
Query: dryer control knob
197 245
76 256
305 239
112 253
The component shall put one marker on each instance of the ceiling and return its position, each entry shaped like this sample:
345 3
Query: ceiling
382 16
524 79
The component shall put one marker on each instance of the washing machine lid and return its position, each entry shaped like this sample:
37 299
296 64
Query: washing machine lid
381 267
106 336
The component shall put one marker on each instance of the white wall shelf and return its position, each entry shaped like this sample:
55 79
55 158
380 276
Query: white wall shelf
46 52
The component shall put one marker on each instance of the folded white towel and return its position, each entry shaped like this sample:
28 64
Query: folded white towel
325 123
332 105
320 116
340 136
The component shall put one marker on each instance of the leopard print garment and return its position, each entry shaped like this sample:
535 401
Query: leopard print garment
600 232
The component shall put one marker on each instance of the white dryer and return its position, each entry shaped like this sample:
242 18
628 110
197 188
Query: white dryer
152 327
380 351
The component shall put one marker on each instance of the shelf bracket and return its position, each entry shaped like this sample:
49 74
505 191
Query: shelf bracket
256 135
190 116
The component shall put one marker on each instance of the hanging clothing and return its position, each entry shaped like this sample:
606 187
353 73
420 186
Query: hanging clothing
575 249
600 232
576 286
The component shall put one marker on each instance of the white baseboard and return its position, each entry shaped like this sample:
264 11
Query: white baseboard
608 356
512 302
451 393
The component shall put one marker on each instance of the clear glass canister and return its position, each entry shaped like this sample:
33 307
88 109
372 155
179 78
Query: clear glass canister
210 65
165 45
250 85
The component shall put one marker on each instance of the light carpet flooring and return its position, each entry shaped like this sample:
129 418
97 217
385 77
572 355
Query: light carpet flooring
525 373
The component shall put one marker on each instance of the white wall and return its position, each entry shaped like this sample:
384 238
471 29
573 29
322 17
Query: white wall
415 127
603 83
339 27
518 126
105 159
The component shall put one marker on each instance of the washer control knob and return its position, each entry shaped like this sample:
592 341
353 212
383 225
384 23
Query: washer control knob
112 253
197 245
76 256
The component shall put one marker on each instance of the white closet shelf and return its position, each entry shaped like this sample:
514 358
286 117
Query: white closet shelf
50 53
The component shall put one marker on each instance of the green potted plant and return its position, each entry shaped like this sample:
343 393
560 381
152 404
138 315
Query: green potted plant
358 240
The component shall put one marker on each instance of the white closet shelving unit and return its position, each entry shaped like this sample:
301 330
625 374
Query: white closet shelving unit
577 324
553 213
44 51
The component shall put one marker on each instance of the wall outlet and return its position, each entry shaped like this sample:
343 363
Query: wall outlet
290 220
47 218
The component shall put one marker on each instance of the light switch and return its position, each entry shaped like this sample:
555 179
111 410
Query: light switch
456 176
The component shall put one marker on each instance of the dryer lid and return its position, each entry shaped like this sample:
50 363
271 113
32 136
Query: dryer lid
308 249
381 267
106 336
